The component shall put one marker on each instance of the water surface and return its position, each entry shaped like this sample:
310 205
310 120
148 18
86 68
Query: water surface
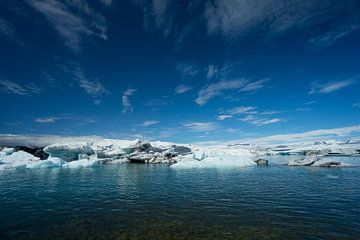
156 202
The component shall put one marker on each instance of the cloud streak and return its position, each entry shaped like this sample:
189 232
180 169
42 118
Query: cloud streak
217 89
182 88
15 88
72 20
149 123
329 87
93 88
46 120
127 107
201 126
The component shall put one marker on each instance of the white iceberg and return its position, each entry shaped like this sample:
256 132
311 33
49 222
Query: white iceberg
213 157
6 151
17 160
69 152
48 163
82 163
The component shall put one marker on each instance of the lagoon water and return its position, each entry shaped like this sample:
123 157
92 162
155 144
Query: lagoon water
157 202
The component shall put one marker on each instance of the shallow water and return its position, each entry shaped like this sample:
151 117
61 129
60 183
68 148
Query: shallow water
156 202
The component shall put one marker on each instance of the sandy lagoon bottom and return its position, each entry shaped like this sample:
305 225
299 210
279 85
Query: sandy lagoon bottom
156 202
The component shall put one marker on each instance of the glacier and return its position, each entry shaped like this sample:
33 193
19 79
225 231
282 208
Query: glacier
81 153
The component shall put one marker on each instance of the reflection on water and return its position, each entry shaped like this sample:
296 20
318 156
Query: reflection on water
157 202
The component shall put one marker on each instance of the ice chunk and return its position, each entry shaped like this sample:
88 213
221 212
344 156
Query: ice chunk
6 151
17 160
199 155
49 163
215 158
69 152
82 163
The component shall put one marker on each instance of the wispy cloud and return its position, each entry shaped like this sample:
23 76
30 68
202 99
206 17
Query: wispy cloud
331 37
234 18
217 89
73 20
125 100
22 90
357 104
182 89
223 117
93 88
329 87
7 31
254 86
46 120
211 72
315 135
187 69
241 110
201 126
252 115
149 123
260 121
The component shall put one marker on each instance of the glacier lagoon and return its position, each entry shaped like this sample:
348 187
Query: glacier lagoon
139 201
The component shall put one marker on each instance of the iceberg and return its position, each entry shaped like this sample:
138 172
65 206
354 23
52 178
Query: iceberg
69 152
17 160
82 163
49 163
6 151
215 158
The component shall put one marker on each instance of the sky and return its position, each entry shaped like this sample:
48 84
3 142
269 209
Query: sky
184 71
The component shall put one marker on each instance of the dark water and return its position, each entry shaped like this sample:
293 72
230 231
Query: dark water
157 202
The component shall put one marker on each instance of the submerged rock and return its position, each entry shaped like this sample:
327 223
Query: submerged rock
330 164
307 161
262 162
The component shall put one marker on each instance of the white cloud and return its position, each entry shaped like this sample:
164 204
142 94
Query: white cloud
253 116
330 87
125 100
254 120
238 17
241 110
330 38
315 135
46 120
149 123
262 122
93 88
223 117
216 89
357 104
43 140
254 86
212 72
15 88
187 70
73 20
182 89
201 126
7 31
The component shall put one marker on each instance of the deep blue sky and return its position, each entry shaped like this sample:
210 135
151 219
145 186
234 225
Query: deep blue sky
179 70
